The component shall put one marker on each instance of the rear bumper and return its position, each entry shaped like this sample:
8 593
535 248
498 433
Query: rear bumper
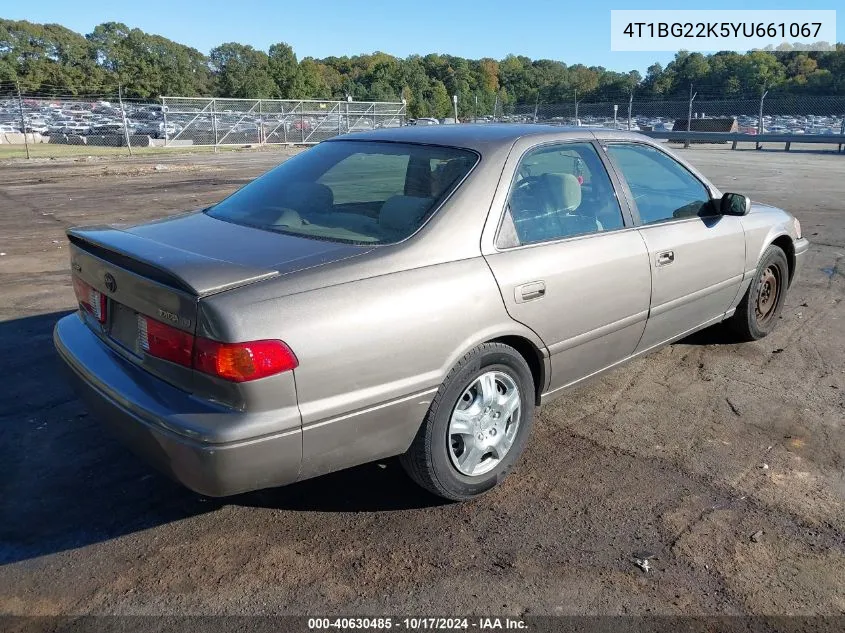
166 426
802 245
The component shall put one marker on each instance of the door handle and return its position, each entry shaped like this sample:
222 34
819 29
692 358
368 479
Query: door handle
665 258
530 291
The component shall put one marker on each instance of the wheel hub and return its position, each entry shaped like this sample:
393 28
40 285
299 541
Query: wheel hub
484 423
767 294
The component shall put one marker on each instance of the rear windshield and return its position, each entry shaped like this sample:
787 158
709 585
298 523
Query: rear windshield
350 191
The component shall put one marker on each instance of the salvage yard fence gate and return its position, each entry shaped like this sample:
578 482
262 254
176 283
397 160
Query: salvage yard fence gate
217 121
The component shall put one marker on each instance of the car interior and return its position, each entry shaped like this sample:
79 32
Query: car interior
560 193
311 208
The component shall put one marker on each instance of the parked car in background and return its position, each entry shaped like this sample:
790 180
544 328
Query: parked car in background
415 292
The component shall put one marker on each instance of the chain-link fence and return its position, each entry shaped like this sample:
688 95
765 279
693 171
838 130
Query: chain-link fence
52 125
217 121
102 123
56 124
782 114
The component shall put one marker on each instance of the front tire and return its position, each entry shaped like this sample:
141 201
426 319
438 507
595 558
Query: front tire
758 312
477 425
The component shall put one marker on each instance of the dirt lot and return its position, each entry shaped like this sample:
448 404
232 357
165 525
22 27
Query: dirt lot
684 455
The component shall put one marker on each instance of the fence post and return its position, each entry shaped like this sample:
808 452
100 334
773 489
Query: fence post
495 107
689 115
760 118
630 105
536 106
164 115
123 117
23 121
260 124
214 121
576 108
842 130
302 121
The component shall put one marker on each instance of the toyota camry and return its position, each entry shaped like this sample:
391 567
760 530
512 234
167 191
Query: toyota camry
415 292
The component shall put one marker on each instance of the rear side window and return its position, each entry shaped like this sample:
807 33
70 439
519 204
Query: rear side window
560 191
663 189
350 191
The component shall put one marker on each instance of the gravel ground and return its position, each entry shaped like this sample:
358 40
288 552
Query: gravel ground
683 455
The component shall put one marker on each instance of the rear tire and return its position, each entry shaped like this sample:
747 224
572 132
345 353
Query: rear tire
475 428
758 312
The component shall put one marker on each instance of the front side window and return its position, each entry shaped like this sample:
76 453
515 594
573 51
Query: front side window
560 191
358 192
663 189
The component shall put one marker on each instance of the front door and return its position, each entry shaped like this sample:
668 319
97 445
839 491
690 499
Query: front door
697 256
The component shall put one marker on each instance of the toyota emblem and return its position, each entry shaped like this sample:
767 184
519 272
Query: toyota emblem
111 284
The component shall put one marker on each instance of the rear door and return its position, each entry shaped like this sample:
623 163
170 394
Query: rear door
697 257
568 262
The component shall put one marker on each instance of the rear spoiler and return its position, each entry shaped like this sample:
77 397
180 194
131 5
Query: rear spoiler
190 272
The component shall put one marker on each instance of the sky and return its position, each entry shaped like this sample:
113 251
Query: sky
571 32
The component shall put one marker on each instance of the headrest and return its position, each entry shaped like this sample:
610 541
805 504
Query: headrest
307 197
400 213
446 175
565 191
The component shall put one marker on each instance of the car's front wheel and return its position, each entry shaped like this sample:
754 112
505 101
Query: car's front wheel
477 424
759 309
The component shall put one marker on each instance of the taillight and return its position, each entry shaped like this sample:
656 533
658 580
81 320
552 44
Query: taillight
92 301
238 362
162 341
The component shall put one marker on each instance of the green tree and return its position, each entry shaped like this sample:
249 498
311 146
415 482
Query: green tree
283 68
440 101
52 58
242 72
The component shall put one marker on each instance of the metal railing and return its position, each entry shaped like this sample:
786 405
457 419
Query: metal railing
217 121
758 139
779 119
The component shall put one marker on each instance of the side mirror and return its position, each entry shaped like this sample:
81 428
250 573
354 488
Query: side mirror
734 204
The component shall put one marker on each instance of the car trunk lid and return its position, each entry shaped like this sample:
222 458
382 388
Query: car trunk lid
162 270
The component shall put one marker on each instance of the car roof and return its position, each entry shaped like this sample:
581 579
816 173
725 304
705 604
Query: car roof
481 136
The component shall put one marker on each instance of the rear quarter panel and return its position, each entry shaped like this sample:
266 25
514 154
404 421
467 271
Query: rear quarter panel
371 352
